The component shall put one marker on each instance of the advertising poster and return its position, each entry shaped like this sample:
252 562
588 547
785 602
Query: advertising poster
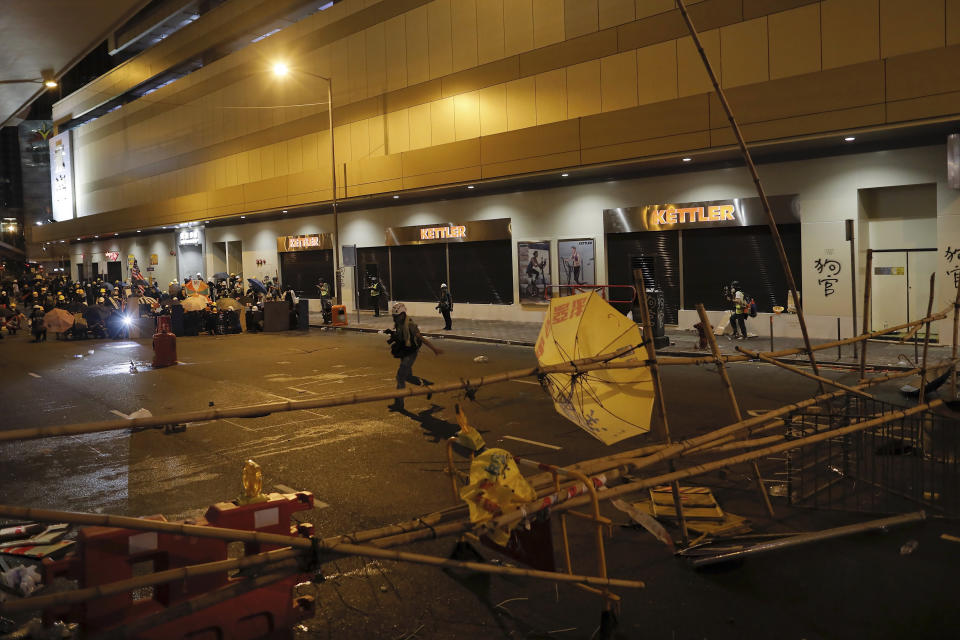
533 259
576 265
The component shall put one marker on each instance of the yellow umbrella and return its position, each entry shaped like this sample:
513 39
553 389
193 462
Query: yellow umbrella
609 404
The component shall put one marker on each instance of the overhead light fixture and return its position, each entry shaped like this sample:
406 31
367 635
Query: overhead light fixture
280 69
849 139
138 230
284 211
96 236
470 186
50 84
78 238
687 159
564 175
243 217
116 234
396 197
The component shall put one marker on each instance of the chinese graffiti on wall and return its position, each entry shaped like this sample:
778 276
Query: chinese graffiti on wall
954 270
829 269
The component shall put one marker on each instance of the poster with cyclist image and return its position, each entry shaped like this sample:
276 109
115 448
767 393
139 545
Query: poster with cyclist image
575 266
533 259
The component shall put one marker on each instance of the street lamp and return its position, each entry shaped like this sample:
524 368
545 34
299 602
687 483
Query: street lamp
281 70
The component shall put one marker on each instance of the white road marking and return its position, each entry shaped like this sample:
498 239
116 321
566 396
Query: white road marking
31 373
539 444
118 413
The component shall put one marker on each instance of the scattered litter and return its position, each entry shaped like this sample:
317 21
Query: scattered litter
534 442
20 531
32 374
948 537
481 359
645 520
301 627
698 503
78 355
909 547
779 489
383 588
140 413
133 367
22 579
90 352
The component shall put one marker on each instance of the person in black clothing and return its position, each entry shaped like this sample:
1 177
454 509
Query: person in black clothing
445 306
375 289
405 342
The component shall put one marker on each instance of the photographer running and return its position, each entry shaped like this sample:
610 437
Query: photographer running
405 342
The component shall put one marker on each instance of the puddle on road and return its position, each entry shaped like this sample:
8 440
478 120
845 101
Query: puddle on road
129 367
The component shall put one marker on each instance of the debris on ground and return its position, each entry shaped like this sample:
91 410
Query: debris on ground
21 579
948 537
481 358
645 520
909 547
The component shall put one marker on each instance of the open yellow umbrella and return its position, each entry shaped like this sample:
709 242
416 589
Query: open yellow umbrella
609 404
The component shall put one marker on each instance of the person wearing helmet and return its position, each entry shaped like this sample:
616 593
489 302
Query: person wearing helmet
405 342
445 306
36 324
737 302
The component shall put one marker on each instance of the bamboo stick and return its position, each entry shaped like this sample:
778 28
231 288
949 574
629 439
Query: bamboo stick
805 374
302 544
659 400
867 286
748 160
732 399
926 342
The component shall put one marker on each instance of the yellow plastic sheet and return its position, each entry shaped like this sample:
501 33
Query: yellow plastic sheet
496 487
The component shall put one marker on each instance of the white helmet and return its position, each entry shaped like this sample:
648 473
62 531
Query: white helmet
443 286
398 308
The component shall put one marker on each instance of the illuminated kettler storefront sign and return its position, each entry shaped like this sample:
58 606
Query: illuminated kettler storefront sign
442 233
308 242
739 212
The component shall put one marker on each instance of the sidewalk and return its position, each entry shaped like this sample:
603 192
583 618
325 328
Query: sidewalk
880 353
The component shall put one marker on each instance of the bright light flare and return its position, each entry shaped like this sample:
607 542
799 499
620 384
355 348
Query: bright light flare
280 69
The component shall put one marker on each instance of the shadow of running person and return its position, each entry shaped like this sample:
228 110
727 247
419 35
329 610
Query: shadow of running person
437 429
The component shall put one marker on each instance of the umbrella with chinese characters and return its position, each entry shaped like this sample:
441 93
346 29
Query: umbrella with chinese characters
609 404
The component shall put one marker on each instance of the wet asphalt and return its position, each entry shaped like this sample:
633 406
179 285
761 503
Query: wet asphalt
368 467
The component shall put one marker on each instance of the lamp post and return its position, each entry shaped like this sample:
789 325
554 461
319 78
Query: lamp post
280 70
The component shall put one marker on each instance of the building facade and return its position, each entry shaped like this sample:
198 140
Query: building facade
479 142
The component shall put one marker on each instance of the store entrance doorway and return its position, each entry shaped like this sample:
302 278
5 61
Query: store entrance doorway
901 287
114 272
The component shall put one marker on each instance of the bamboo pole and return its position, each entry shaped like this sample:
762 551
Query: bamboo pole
659 400
301 544
867 286
732 398
926 342
748 159
803 373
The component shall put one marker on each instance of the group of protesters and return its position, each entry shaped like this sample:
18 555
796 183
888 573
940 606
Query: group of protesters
103 309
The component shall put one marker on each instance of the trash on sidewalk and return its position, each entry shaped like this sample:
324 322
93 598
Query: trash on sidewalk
481 358
20 531
909 547
140 413
645 520
698 503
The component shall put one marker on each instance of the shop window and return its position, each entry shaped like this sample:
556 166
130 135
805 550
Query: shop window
713 258
658 253
481 272
302 270
418 271
373 263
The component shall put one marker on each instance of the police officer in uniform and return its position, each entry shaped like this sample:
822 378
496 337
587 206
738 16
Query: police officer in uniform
375 290
445 306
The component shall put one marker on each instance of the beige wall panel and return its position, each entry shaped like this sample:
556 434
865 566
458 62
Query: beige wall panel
323 151
517 26
647 8
268 167
377 128
357 50
310 152
456 155
580 17
832 90
656 146
343 143
685 115
294 158
398 132
618 81
359 140
794 41
521 103
419 126
264 190
340 73
756 8
547 22
396 53
466 115
744 53
615 12
376 42
486 75
370 188
911 25
657 72
800 125
925 107
953 22
692 78
592 46
440 34
490 30
924 73
280 159
228 197
583 89
463 17
442 126
551 96
307 181
850 31
418 55
412 96
469 174
559 137
529 165
493 110
376 169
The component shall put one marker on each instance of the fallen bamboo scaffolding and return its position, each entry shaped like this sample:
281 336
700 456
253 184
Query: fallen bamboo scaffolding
805 374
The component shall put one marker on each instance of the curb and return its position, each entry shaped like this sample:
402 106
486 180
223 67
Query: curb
679 354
